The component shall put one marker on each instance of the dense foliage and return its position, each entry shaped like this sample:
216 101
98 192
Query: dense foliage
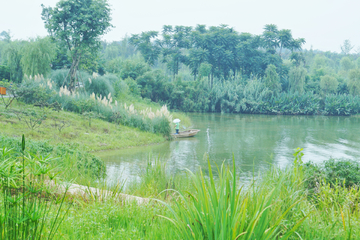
201 69
334 172
85 162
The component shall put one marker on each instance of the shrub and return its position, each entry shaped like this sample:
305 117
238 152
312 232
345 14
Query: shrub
4 73
161 125
33 90
100 85
60 77
335 172
134 88
120 87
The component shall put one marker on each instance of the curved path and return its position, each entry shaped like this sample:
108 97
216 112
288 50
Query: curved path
86 192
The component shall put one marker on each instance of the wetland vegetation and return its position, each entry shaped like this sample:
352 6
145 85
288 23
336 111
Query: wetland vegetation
72 95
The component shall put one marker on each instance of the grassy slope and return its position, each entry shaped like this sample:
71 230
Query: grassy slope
101 135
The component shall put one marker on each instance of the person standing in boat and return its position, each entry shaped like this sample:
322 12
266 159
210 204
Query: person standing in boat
177 125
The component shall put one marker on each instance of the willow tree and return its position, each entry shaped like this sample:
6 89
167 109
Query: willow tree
37 56
12 55
78 25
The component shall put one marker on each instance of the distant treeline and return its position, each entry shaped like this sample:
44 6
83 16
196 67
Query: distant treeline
207 69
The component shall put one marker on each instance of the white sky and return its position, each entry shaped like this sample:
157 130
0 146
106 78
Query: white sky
324 24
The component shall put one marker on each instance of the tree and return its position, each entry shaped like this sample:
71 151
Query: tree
297 58
297 79
5 36
133 69
357 61
175 40
320 61
249 57
273 38
195 59
354 82
78 24
272 79
13 55
270 37
328 84
285 39
37 56
148 49
205 70
346 47
346 64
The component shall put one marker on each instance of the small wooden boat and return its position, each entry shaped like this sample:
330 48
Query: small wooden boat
188 133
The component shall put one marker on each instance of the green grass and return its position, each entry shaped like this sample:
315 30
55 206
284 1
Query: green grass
275 206
116 221
101 135
209 204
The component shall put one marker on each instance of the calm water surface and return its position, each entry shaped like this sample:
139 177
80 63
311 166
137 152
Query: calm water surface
255 142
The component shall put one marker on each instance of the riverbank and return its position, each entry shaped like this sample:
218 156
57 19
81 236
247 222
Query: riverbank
304 201
67 127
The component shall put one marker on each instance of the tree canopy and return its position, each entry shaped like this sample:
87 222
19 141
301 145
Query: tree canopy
37 56
226 51
78 25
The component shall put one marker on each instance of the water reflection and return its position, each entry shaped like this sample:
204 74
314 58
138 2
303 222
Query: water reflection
255 141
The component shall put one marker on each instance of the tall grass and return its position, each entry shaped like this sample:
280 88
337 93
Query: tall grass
208 204
155 178
96 98
223 210
78 163
25 203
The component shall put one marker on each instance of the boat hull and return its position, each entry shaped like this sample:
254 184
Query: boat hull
185 134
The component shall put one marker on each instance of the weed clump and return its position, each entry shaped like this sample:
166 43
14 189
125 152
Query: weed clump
334 172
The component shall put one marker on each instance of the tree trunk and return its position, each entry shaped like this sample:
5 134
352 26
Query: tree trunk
72 72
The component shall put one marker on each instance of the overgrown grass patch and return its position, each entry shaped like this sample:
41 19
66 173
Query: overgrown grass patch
96 135
209 204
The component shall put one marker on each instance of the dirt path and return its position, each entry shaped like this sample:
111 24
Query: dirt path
94 193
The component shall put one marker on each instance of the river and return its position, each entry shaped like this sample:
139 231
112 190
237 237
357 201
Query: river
254 141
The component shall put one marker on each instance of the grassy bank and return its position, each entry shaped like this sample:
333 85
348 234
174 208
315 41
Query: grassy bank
67 127
279 205
304 201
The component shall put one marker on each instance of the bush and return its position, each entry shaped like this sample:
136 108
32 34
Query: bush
120 87
134 88
4 73
161 125
335 172
58 77
101 85
35 90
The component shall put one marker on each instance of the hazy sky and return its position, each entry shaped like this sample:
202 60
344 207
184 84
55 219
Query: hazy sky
324 24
